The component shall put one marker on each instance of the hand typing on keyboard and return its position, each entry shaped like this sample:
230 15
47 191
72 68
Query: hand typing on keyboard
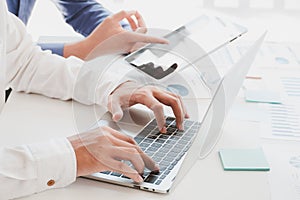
130 93
106 150
103 149
165 149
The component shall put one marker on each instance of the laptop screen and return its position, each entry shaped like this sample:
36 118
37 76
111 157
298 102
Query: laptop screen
222 99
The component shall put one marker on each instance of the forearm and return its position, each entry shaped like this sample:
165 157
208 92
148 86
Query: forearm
34 71
80 49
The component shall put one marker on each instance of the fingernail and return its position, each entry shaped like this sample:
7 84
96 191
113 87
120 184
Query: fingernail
117 117
163 130
140 179
187 115
180 127
156 167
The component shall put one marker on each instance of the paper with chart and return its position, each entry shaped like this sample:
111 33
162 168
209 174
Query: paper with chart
282 122
291 86
274 55
284 176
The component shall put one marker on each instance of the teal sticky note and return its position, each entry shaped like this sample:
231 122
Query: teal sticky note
244 159
262 96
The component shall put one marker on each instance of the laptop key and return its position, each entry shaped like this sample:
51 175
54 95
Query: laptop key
151 178
106 172
144 144
116 174
171 129
156 145
125 177
153 137
138 139
166 149
157 159
148 140
163 136
159 140
162 176
169 120
167 172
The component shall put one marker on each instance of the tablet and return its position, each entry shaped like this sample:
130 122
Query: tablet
187 44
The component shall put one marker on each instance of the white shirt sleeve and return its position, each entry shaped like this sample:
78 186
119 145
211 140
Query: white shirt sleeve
31 70
29 169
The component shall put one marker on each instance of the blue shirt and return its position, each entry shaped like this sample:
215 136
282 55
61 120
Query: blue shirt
83 15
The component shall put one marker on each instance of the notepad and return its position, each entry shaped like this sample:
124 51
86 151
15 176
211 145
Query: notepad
244 160
263 96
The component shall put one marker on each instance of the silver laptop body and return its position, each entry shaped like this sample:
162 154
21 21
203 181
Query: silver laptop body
198 138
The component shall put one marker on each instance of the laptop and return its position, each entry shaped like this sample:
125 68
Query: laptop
177 151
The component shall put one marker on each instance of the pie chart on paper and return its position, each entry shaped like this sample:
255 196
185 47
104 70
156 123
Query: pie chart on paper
295 161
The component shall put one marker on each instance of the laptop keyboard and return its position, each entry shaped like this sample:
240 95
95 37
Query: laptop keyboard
166 149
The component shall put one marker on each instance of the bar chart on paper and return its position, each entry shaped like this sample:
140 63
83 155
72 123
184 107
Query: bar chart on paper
291 86
283 122
295 162
284 160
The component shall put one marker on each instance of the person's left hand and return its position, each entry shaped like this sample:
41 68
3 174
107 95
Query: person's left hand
111 26
110 37
129 93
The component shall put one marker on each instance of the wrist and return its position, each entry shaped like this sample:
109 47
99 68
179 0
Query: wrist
84 161
80 49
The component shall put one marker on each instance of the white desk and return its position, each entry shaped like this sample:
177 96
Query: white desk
31 118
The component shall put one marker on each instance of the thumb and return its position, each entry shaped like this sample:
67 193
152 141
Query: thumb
142 30
116 110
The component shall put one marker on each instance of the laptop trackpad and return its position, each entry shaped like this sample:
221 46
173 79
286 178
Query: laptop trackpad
134 119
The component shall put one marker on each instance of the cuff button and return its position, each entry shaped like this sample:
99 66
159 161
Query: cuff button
50 183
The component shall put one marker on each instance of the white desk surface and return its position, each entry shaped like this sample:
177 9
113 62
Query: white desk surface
31 118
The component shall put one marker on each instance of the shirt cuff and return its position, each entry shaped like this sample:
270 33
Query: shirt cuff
56 48
55 163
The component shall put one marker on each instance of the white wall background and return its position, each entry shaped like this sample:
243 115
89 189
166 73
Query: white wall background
280 17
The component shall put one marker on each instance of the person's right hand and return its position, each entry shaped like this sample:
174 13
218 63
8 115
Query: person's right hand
103 148
130 93
109 37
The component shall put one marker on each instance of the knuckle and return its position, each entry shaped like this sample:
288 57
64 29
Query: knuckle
142 94
175 101
157 107
122 166
98 131
153 88
109 19
131 140
103 129
123 12
133 150
177 96
142 165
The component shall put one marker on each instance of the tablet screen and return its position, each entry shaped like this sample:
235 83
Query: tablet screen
186 45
